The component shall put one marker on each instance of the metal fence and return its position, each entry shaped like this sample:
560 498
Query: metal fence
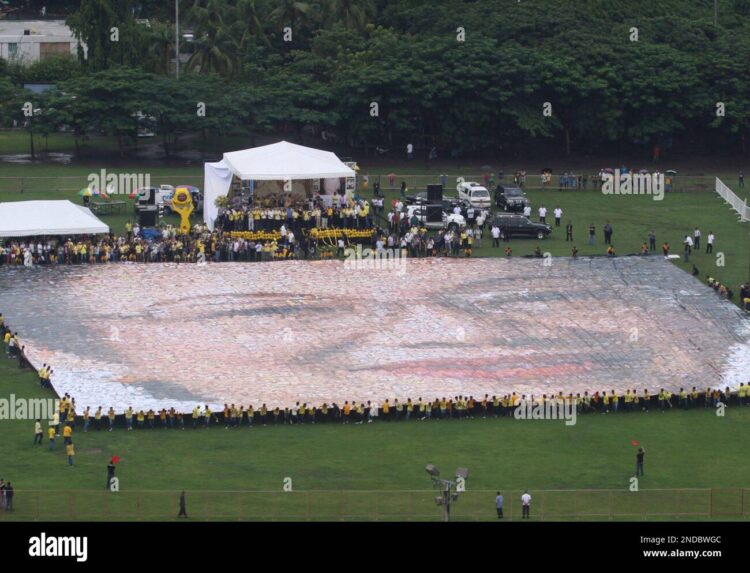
739 205
368 505
30 185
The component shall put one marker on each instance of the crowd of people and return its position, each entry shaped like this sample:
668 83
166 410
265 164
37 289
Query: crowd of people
439 408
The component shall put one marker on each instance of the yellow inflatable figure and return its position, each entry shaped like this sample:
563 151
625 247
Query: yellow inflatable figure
182 204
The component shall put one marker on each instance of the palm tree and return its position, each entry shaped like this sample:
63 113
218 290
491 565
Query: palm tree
352 13
247 11
292 13
215 47
161 47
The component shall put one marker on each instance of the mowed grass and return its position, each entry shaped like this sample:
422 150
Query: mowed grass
376 471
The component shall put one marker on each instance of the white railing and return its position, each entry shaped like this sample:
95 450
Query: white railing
739 205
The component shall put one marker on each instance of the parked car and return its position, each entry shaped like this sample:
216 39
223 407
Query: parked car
513 225
475 194
511 199
449 220
419 198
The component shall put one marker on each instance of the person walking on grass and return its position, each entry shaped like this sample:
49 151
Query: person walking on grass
499 505
51 434
183 510
71 452
38 434
639 461
526 505
9 496
710 243
110 472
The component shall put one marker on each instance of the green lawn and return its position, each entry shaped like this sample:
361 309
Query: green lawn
376 471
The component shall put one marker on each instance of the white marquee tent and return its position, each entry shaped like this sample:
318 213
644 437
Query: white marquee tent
276 162
30 218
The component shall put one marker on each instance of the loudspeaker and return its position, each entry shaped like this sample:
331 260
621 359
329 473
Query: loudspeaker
434 213
147 217
434 193
147 196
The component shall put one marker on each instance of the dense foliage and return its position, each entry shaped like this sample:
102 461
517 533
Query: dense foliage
484 91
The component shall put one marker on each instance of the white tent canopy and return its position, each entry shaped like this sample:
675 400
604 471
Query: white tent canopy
32 218
276 162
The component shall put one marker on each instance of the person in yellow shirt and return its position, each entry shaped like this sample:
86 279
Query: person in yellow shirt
141 419
51 437
67 435
71 452
683 399
386 411
86 419
98 418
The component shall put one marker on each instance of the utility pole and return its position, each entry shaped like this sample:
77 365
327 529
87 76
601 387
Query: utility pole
177 38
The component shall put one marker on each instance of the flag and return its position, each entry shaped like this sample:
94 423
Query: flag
115 459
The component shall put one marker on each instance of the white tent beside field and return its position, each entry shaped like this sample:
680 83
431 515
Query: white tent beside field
280 161
49 218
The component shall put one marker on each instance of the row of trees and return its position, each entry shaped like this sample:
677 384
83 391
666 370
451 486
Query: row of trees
485 76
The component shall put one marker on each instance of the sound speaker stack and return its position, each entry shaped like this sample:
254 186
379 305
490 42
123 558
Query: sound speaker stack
434 193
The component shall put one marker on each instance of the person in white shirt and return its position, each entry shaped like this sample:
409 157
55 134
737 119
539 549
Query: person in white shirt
495 235
697 235
372 412
542 214
710 243
558 216
457 210
409 151
526 504
527 211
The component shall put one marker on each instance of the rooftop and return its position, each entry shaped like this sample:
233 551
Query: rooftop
37 27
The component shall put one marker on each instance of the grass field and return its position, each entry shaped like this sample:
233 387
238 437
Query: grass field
697 463
376 471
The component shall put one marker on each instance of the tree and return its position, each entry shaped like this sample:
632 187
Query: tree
109 33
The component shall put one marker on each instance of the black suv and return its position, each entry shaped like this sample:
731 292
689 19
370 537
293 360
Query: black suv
510 198
519 226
